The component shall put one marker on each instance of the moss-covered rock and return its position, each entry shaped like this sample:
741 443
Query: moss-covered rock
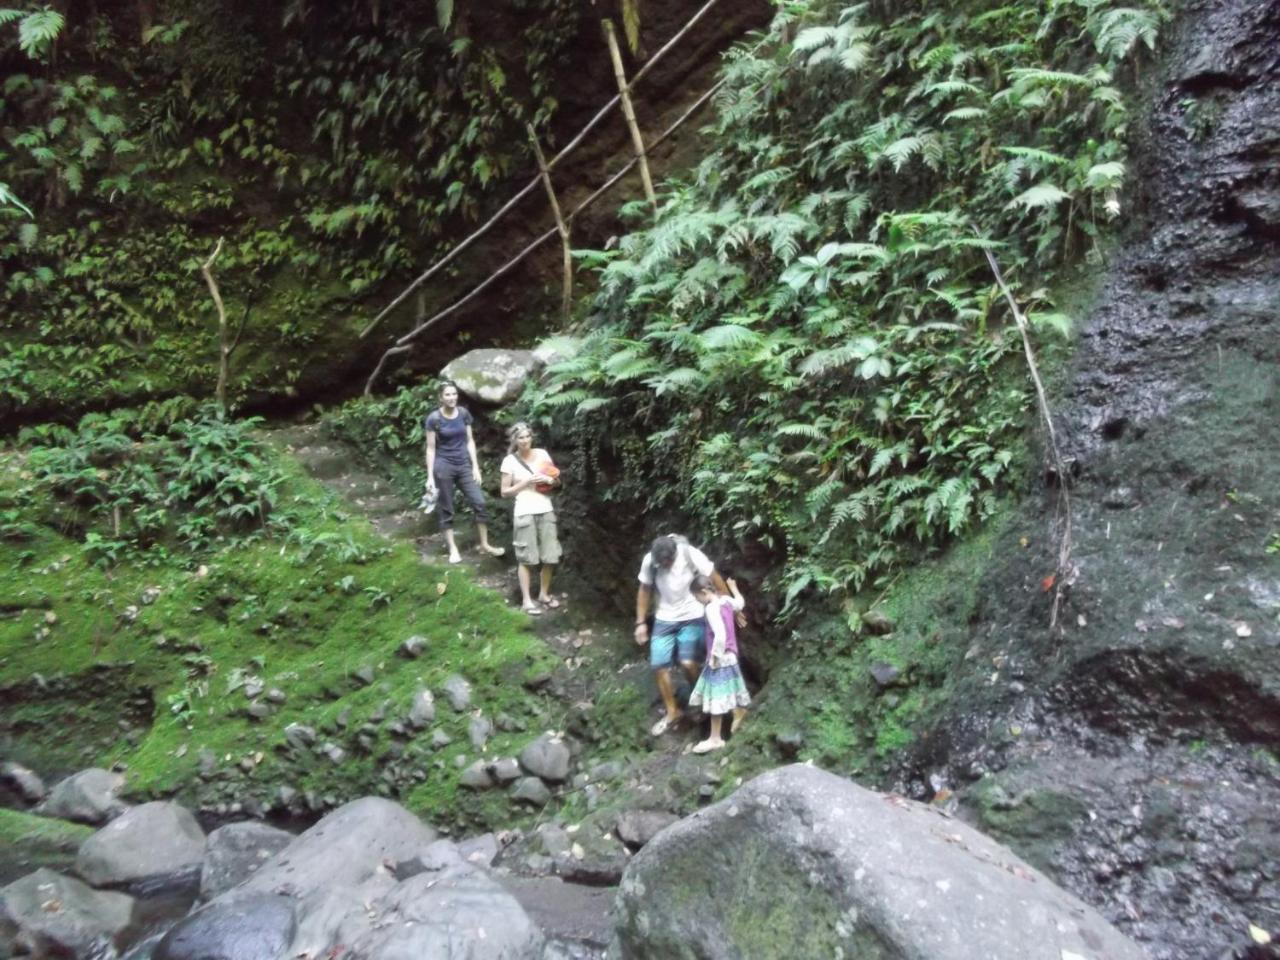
28 841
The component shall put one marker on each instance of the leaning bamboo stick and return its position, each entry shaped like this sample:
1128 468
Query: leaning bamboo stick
629 112
551 165
566 294
403 343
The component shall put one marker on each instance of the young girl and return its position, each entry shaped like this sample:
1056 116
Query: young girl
720 688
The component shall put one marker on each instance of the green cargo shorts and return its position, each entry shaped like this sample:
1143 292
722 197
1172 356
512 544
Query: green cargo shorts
535 540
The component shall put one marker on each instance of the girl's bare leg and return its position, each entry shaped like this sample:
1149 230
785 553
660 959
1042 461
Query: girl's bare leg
739 717
715 741
454 555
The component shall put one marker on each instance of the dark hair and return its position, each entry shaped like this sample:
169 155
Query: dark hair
700 583
444 385
663 551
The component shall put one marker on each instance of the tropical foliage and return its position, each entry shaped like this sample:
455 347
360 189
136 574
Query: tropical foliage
806 349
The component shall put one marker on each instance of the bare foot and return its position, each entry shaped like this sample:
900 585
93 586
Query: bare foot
492 550
455 557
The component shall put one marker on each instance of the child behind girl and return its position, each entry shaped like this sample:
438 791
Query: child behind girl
720 689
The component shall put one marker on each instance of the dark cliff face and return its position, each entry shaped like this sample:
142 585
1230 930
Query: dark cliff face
1137 755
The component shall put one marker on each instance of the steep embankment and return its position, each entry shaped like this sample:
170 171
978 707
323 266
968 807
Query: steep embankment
1137 754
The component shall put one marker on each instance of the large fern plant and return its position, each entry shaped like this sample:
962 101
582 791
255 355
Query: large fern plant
806 349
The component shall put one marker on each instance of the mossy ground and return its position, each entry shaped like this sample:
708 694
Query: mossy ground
28 841
145 663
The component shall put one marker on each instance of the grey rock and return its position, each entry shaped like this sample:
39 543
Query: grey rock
48 915
277 696
423 710
476 777
233 853
91 796
493 376
532 791
437 856
507 770
458 692
333 752
460 761
440 739
207 762
609 770
478 731
345 848
884 674
789 743
546 757
413 648
852 872
25 782
258 711
460 914
248 926
555 841
144 844
363 677
253 687
480 851
299 736
637 827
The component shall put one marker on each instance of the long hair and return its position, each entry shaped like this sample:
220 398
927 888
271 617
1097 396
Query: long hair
516 430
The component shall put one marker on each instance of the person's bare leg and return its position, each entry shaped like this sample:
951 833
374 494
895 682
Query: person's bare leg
483 530
692 669
545 582
454 555
715 741
525 582
739 717
667 689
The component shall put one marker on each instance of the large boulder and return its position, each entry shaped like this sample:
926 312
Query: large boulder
91 796
458 913
232 854
846 872
154 842
493 376
249 926
48 915
345 848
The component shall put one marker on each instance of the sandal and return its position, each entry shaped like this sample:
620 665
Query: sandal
662 726
706 746
494 551
532 609
551 602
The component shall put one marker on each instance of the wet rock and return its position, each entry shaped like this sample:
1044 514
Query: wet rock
23 781
344 849
885 674
476 777
853 873
507 770
635 828
152 844
546 757
423 710
243 926
413 647
234 852
532 791
458 692
299 736
91 796
494 376
431 915
478 730
48 915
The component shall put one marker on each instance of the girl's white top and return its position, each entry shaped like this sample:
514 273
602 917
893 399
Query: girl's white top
715 619
528 501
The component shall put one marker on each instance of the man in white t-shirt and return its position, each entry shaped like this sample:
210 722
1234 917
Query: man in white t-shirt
669 568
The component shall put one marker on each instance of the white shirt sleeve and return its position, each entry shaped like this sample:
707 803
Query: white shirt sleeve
733 601
700 561
508 465
716 622
646 570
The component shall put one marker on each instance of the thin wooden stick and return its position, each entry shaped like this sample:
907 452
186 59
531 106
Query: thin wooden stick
629 112
224 352
551 165
566 295
403 343
1064 576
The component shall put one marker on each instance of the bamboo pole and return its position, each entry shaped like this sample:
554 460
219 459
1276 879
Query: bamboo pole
566 296
224 351
402 345
551 165
629 112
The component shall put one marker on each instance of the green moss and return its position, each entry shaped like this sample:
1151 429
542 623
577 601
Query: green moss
145 664
1032 822
28 842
